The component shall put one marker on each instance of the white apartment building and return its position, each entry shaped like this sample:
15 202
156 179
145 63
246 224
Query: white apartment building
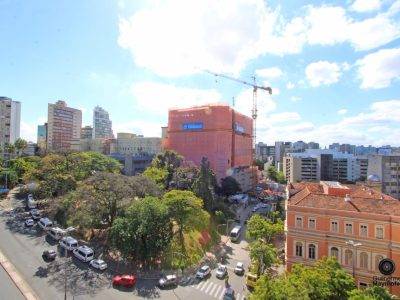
10 120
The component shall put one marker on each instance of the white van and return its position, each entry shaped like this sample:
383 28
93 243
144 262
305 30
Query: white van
56 233
45 223
235 233
69 243
31 203
84 253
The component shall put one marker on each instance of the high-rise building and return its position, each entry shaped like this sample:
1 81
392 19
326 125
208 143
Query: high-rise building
217 132
86 132
355 224
42 137
10 120
102 125
387 169
64 126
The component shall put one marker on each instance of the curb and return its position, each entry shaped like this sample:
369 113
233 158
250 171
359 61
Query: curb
19 282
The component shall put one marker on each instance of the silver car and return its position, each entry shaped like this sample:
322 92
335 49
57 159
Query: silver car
169 280
203 272
221 271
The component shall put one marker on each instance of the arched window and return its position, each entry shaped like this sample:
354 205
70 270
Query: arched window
311 251
378 259
363 260
335 252
299 249
348 257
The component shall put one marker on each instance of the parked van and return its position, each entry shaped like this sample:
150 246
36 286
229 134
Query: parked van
45 223
84 253
31 203
69 243
56 233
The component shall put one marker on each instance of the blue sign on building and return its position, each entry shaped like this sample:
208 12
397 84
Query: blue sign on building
238 128
192 126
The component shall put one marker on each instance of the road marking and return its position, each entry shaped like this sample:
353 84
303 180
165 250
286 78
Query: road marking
209 287
222 293
217 291
204 286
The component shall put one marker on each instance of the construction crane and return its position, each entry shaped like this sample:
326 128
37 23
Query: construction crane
254 109
253 114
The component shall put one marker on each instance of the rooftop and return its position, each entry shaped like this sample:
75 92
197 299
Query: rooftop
362 199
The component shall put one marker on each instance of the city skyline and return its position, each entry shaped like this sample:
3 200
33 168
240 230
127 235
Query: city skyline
333 67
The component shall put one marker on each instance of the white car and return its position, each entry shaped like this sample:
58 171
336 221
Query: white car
239 269
221 272
84 253
29 222
98 264
203 272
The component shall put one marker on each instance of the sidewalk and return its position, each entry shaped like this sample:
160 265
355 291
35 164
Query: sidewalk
20 283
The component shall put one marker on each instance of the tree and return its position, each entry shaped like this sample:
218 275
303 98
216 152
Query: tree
204 184
144 232
229 186
20 145
280 178
157 175
325 281
56 184
262 254
260 228
186 210
169 160
183 177
373 292
272 173
259 163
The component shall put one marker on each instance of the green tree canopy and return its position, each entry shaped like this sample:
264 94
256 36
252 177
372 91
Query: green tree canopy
159 176
20 145
373 292
168 160
259 227
144 232
229 186
186 210
205 183
183 177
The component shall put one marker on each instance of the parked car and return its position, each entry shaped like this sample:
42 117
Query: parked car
203 272
29 222
98 264
124 280
167 281
30 197
35 214
45 223
229 294
49 254
221 272
84 253
69 243
239 269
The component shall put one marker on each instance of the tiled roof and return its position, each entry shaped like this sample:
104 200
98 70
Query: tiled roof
311 194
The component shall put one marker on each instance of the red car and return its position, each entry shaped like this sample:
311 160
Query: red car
124 280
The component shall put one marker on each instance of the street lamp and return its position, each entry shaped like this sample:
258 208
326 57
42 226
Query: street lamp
354 245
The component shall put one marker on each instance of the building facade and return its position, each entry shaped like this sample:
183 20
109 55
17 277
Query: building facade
387 170
136 145
63 126
87 132
10 112
102 125
355 224
217 132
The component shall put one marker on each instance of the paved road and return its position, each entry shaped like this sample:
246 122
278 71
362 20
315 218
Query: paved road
25 246
8 290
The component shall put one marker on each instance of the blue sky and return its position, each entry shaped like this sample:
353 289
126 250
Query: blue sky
334 66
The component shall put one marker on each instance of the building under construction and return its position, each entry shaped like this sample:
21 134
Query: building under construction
217 132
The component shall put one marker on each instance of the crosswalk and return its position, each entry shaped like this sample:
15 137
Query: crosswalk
212 289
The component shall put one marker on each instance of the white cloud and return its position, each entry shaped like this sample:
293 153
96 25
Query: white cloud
274 72
366 5
146 128
342 111
295 98
29 132
157 98
265 105
284 117
276 91
322 72
379 69
289 85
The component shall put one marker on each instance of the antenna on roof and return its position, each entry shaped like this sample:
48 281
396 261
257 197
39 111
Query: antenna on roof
233 102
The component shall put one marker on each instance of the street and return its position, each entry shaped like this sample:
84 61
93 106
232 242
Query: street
24 246
8 288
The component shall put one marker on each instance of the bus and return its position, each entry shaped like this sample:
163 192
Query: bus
235 233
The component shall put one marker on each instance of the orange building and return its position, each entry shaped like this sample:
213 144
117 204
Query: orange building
217 132
329 219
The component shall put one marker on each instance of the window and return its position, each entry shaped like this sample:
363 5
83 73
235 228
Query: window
299 249
363 230
363 285
363 260
334 252
348 257
379 233
334 226
311 223
349 228
378 259
311 251
299 222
